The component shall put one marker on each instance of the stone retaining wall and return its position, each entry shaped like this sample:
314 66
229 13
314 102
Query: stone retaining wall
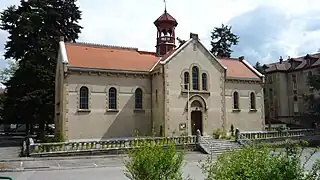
105 146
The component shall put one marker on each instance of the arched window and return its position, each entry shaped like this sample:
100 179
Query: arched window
112 98
252 101
186 80
204 81
195 78
236 100
138 98
84 98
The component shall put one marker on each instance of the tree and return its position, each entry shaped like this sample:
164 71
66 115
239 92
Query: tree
152 161
260 162
258 67
221 41
8 72
314 101
35 27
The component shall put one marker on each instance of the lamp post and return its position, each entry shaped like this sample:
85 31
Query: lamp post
188 103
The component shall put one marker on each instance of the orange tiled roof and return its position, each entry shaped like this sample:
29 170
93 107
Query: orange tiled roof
236 68
109 57
121 58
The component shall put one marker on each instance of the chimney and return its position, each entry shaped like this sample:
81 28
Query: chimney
280 60
194 36
241 58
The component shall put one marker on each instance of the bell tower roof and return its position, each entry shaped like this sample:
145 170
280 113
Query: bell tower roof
166 18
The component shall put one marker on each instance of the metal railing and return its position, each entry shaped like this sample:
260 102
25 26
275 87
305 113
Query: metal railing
205 145
243 140
279 134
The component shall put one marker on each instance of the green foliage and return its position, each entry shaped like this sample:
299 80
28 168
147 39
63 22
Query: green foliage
280 128
232 130
56 138
259 162
259 67
313 101
184 133
8 72
152 161
217 133
35 28
222 39
314 80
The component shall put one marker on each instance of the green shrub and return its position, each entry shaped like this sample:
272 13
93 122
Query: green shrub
259 162
152 161
184 133
217 133
57 138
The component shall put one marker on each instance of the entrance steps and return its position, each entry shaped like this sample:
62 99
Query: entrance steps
217 146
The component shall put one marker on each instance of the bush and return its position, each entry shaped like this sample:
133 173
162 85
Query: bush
56 138
259 162
152 161
217 133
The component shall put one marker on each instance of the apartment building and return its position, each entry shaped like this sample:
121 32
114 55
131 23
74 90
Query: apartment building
287 88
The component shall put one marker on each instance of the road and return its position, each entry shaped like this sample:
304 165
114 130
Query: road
10 147
105 173
97 168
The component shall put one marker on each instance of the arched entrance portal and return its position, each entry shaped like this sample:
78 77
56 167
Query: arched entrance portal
196 122
196 117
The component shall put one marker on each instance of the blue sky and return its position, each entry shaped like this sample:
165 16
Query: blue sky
267 28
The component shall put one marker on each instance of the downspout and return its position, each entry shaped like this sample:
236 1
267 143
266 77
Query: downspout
164 100
152 122
224 125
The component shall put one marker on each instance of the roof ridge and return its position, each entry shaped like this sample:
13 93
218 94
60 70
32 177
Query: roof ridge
146 52
103 46
228 58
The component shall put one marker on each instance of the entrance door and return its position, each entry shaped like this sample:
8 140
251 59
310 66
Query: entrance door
196 122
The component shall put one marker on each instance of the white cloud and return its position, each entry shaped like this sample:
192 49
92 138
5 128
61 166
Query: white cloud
130 23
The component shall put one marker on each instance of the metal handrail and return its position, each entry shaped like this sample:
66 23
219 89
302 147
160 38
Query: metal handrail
243 140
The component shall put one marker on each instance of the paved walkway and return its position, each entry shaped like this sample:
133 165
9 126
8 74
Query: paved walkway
190 169
84 168
29 164
10 147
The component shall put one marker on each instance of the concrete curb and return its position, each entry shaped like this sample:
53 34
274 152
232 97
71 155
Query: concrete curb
47 168
72 157
54 168
61 158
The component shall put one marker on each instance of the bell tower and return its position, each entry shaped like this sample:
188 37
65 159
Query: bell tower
166 25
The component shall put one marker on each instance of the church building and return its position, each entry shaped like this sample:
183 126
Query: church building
105 91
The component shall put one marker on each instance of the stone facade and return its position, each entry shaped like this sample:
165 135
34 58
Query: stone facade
110 92
286 89
164 102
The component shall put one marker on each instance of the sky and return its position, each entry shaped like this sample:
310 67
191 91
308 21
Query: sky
267 29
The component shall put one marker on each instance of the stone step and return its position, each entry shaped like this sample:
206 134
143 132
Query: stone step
217 147
225 146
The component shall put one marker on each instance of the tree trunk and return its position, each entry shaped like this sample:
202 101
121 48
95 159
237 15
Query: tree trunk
27 129
41 130
31 129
